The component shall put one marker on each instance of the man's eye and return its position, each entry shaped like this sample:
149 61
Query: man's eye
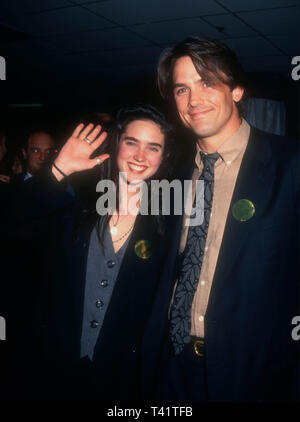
181 91
130 143
206 84
153 149
35 150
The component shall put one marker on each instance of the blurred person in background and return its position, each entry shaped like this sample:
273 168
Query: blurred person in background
4 177
18 163
24 247
38 149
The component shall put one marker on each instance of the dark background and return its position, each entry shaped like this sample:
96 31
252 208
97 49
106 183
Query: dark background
73 56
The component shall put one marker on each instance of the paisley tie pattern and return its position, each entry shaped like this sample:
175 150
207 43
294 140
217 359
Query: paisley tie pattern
180 316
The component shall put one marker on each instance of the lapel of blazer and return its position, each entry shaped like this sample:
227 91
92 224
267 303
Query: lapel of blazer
251 184
144 230
131 277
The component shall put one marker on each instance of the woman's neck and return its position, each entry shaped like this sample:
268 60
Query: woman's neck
129 198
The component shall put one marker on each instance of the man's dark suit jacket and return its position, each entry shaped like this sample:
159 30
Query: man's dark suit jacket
250 353
115 373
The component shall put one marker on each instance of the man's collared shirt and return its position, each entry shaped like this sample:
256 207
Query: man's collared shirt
226 171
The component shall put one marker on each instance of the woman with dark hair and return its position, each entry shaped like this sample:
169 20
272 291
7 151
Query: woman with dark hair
103 270
122 145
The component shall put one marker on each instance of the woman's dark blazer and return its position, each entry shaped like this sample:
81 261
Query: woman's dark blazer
115 373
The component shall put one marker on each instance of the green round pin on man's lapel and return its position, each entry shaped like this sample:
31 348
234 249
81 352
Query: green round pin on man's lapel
243 210
143 249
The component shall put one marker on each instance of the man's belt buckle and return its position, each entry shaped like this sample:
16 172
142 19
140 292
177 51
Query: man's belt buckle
198 347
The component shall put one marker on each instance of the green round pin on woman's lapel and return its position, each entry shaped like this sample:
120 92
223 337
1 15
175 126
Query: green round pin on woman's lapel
243 210
143 249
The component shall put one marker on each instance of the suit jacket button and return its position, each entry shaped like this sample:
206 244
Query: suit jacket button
111 264
99 303
104 283
94 324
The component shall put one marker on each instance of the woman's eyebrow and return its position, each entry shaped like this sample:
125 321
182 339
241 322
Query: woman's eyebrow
132 138
155 144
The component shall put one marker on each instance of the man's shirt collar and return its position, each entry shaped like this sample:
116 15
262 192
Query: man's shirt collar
231 148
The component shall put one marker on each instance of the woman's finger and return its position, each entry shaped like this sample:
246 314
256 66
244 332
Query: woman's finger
92 135
99 160
84 133
77 130
98 141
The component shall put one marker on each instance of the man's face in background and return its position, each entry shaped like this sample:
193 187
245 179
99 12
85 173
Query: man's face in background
39 149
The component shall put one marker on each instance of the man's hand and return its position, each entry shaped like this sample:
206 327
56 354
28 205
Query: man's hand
4 178
75 154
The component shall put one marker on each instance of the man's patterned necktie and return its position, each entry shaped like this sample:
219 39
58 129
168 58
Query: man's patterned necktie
180 317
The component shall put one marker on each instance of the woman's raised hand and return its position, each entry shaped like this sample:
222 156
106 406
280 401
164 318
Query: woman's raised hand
75 154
